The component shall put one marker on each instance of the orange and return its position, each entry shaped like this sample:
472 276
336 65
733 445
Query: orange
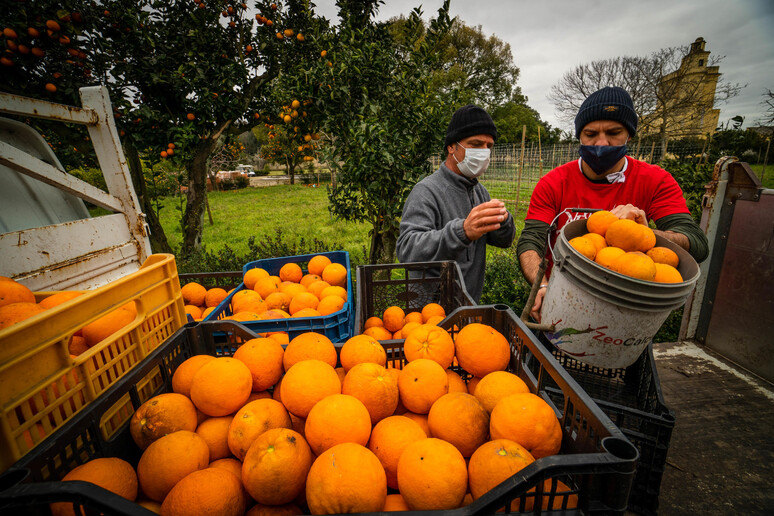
335 274
599 221
317 287
636 265
333 291
336 419
112 474
409 327
413 317
347 478
431 310
207 491
374 387
244 316
317 264
267 285
667 274
430 341
330 304
456 383
13 313
168 459
194 311
258 395
308 279
494 462
99 330
661 255
496 385
14 292
481 349
252 420
214 296
395 502
432 475
221 386
378 333
247 300
151 505
584 247
306 383
162 415
272 314
373 321
630 236
278 301
281 337
420 383
303 300
291 272
276 466
389 438
393 318
310 345
234 466
607 255
307 312
263 357
252 276
207 311
291 289
77 345
214 431
460 419
58 298
596 239
362 348
435 319
420 419
193 293
181 379
287 509
472 384
528 420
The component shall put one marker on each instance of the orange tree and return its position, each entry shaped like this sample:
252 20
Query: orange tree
290 139
182 73
380 118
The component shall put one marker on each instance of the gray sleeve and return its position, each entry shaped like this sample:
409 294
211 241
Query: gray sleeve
684 223
419 239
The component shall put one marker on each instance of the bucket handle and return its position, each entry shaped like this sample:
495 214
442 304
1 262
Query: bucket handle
552 227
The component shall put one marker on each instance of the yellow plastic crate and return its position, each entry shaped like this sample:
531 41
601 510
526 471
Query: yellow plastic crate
42 386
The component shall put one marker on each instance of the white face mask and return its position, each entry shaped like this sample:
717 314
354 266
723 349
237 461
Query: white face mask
475 162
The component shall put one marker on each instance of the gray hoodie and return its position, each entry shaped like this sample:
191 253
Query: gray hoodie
431 226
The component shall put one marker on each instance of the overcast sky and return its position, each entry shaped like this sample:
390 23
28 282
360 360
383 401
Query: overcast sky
548 38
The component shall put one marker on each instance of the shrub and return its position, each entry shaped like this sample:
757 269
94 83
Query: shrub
691 178
504 282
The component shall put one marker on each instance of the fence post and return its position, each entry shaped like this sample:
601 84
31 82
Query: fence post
521 166
765 158
637 152
540 153
652 148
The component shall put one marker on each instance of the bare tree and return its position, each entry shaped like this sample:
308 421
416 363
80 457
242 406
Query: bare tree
767 118
673 89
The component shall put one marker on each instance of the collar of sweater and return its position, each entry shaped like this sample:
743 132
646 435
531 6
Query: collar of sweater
458 179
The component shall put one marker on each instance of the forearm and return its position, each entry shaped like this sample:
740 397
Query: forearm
530 265
677 238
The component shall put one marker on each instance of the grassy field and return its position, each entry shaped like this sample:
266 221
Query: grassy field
299 212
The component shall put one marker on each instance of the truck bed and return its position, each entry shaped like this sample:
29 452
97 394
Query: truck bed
721 455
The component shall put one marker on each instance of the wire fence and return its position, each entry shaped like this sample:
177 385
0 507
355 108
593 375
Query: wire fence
513 174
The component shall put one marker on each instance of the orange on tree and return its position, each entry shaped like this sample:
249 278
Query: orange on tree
252 420
374 387
162 415
421 383
276 466
306 383
362 348
336 419
432 475
207 491
347 478
264 358
221 386
113 474
481 349
494 462
389 438
168 459
527 419
429 341
460 419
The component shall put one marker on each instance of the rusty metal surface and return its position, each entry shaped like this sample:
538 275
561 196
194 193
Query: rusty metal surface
23 106
742 317
721 455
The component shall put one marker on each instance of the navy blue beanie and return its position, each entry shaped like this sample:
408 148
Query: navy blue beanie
468 121
609 103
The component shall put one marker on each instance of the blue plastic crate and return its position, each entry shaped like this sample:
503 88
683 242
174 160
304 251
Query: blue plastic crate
337 326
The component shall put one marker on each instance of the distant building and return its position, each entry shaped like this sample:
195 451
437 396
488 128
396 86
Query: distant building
688 96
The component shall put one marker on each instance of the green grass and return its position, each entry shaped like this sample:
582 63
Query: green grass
299 212
768 178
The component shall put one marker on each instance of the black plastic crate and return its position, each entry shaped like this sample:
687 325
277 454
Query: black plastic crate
596 461
632 398
409 286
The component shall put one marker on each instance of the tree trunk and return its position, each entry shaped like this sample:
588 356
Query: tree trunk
158 238
292 172
383 242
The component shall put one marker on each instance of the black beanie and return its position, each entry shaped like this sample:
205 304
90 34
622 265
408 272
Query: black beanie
468 121
609 103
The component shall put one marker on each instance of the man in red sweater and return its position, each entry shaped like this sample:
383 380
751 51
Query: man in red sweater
605 178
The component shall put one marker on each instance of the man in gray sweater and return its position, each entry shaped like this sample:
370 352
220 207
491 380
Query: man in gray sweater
449 214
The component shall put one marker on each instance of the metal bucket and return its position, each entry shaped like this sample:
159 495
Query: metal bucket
604 318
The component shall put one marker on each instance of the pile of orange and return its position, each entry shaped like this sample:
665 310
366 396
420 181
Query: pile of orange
200 301
628 248
309 430
395 323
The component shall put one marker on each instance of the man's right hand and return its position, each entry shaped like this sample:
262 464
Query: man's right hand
535 312
484 218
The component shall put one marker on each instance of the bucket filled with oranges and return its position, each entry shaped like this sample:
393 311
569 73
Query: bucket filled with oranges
613 284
